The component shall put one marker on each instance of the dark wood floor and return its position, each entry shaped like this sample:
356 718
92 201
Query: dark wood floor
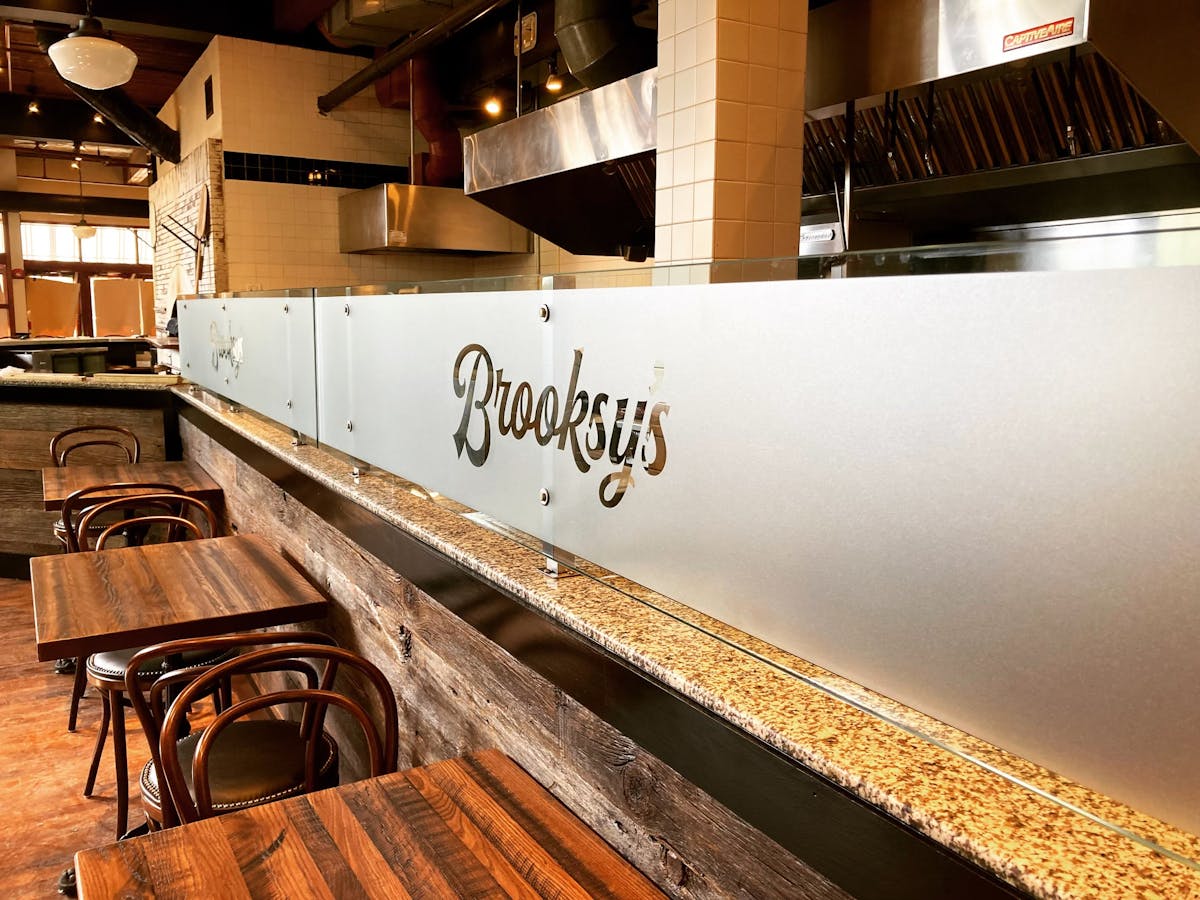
43 766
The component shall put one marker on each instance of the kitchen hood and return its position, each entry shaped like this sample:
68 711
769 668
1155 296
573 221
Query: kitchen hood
959 114
391 217
579 173
864 48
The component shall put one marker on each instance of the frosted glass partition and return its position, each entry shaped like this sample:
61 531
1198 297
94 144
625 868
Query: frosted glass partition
256 350
385 394
973 493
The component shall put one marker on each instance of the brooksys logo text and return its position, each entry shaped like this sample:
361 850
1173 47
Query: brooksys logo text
594 426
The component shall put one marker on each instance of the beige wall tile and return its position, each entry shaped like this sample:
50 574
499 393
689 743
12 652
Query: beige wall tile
761 124
729 239
738 10
733 81
732 120
760 163
730 161
729 199
793 16
733 40
760 202
766 12
760 240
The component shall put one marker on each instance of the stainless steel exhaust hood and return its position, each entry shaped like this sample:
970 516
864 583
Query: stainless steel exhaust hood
391 217
579 173
970 114
866 48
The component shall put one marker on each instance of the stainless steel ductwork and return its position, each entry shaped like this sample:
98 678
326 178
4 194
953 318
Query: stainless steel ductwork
579 173
600 42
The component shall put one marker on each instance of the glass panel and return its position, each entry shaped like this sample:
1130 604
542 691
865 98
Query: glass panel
257 352
395 374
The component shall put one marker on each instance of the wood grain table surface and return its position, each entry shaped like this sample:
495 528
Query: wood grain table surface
59 482
473 826
86 603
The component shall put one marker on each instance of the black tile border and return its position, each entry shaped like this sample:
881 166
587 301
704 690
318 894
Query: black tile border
856 846
308 171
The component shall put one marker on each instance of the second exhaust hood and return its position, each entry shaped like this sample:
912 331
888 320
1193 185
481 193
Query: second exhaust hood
391 217
865 48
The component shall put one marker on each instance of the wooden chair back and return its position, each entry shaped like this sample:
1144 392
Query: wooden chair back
80 501
314 656
67 442
175 509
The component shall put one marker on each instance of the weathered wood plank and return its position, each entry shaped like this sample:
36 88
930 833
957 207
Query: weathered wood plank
30 449
20 489
28 532
460 692
55 417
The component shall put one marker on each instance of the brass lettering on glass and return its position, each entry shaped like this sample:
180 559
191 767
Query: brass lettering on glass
627 438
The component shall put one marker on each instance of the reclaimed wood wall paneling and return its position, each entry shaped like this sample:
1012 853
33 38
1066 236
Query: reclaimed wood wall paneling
25 433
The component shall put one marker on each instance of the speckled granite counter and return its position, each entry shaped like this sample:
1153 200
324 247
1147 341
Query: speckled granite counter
92 382
1036 830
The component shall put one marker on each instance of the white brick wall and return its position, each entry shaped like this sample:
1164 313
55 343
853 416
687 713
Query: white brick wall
177 193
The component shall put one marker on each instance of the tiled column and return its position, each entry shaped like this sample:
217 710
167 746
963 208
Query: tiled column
730 128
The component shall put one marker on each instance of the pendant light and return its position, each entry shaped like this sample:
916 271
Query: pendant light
90 59
82 229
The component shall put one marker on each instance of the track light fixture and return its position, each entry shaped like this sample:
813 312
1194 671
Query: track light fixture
554 83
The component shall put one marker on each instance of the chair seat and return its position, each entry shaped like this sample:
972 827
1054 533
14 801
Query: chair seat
111 663
252 762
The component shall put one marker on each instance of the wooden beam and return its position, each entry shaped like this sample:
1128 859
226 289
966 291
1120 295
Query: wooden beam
121 207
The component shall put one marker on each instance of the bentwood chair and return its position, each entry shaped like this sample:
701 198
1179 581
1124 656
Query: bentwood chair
242 758
82 501
72 440
106 672
63 445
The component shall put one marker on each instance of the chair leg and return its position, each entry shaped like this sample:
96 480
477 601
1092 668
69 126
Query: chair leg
117 704
98 752
77 689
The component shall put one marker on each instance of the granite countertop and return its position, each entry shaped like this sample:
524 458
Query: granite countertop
103 380
938 780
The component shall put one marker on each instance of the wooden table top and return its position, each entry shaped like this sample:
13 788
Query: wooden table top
134 596
59 482
474 826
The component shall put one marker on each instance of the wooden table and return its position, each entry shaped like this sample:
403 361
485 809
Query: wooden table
59 482
85 603
475 826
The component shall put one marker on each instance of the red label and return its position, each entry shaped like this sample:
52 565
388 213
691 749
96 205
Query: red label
1059 29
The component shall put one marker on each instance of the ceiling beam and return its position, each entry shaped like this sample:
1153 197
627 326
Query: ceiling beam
66 204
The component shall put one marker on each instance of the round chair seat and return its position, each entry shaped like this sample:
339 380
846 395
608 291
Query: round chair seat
252 762
111 663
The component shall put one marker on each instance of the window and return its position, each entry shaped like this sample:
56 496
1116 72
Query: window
110 245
